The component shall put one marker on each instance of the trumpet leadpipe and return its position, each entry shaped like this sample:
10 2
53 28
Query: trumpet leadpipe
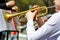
51 7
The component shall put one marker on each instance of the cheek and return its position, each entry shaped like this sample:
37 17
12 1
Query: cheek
57 5
57 2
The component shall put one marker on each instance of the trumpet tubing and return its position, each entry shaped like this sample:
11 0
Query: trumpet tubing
9 16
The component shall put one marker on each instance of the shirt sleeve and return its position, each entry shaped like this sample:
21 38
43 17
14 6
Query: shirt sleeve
44 31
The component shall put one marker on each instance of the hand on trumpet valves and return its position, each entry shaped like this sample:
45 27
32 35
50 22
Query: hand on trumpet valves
37 8
30 15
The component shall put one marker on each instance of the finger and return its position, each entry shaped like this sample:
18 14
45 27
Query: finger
25 16
35 6
35 12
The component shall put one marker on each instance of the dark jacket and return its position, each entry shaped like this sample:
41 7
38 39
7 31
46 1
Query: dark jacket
3 5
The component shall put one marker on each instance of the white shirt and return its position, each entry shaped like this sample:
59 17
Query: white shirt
49 31
4 25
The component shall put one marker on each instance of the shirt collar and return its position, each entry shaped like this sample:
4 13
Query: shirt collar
58 12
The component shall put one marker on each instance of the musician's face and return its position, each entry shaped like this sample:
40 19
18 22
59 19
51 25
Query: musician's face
57 4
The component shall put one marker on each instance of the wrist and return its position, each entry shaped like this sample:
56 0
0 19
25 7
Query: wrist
30 19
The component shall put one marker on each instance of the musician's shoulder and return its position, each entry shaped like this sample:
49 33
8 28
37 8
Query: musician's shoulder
56 14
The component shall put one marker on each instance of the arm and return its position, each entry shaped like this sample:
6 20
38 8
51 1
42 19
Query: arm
3 6
43 32
7 5
40 22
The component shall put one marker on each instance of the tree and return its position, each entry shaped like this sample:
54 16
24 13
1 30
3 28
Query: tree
24 4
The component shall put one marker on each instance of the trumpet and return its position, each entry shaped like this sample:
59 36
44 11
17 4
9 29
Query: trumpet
9 16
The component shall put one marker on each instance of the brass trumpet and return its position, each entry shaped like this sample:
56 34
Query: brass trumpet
9 16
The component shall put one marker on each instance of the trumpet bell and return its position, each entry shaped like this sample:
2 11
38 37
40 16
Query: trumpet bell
7 16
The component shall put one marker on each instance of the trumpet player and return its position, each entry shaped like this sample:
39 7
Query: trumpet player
49 31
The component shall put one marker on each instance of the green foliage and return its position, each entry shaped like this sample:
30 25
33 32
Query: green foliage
24 4
37 2
48 4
